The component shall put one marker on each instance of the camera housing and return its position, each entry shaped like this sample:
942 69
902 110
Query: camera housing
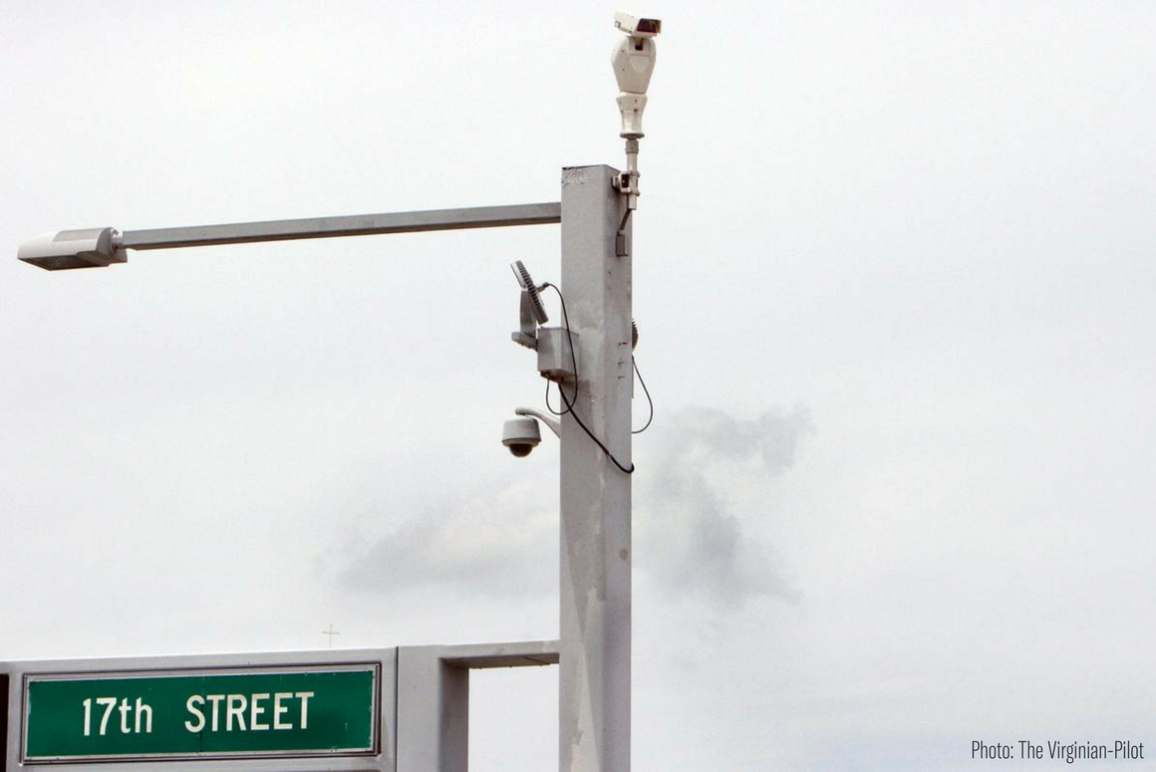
633 62
84 248
635 27
521 435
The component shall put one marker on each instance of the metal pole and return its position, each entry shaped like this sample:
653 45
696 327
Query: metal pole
594 688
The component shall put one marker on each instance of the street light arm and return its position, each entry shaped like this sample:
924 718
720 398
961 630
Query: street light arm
97 247
346 225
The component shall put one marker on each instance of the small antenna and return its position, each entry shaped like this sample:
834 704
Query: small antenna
532 290
531 312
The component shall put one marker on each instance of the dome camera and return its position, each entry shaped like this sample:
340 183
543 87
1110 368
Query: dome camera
521 435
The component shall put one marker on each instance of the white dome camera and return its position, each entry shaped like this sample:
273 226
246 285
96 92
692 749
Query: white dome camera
521 435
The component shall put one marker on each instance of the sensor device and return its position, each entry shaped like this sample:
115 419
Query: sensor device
633 63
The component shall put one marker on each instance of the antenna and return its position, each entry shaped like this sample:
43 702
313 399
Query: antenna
531 312
531 289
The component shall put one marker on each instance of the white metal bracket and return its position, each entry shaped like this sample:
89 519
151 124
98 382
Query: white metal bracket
527 335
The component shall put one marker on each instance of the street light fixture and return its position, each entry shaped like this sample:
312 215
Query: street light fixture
99 247
87 248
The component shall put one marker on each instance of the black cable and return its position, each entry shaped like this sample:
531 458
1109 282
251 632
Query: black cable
548 405
570 339
570 405
590 434
645 390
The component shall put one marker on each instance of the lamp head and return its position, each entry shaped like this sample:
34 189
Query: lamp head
85 248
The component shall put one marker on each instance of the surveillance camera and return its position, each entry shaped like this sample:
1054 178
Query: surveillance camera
86 248
633 61
639 28
521 435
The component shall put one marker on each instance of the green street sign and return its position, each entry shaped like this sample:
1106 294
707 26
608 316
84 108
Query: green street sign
209 713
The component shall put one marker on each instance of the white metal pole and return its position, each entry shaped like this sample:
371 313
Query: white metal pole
433 698
594 688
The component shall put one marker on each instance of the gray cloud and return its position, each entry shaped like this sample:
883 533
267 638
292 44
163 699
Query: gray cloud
497 545
702 475
704 497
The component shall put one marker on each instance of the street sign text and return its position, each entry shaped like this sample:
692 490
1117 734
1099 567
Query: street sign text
270 711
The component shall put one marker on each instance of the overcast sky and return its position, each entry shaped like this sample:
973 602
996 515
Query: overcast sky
894 273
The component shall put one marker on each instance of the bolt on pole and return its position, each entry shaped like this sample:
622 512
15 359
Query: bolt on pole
594 686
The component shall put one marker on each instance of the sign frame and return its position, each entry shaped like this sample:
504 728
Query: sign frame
381 663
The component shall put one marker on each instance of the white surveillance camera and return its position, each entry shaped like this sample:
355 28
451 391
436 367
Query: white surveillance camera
633 61
86 248
521 435
641 28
